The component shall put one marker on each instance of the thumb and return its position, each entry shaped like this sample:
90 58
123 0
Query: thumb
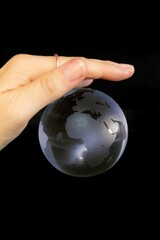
54 84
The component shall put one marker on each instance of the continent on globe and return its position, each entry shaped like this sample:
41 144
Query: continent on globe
84 133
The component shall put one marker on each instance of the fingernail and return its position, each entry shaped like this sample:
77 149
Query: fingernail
74 70
87 82
126 67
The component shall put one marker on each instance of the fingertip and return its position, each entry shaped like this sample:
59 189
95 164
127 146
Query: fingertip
127 68
126 71
86 83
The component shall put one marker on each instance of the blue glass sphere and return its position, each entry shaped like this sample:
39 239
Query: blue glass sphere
84 133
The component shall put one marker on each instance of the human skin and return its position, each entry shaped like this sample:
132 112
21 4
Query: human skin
28 83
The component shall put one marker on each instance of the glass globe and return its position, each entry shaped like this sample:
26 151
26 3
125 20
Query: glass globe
84 133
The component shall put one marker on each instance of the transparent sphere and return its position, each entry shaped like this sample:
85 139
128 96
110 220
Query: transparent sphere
84 133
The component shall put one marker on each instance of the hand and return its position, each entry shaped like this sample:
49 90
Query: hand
28 83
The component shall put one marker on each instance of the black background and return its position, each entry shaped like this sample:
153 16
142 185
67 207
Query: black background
138 97
104 34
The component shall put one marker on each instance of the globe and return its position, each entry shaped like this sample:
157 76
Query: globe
84 133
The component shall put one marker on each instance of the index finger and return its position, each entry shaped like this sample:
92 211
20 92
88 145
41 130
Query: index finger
104 69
